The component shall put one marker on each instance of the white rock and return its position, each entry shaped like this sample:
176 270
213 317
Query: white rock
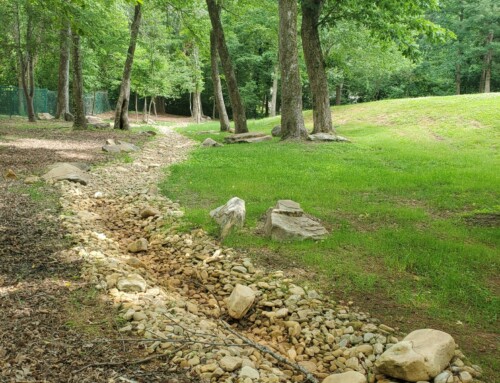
230 215
422 355
240 301
346 377
249 372
133 283
230 363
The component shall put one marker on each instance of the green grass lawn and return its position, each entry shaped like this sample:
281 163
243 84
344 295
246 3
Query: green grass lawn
403 201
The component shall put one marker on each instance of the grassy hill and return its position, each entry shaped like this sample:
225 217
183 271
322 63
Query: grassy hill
412 205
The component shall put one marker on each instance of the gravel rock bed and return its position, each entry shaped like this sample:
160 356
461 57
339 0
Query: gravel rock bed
172 288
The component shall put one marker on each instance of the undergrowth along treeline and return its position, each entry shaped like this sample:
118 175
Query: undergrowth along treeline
405 202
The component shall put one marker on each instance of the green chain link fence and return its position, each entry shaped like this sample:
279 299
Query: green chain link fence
13 101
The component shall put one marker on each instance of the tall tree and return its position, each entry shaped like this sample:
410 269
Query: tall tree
63 83
121 112
80 121
26 54
315 64
292 121
219 97
239 116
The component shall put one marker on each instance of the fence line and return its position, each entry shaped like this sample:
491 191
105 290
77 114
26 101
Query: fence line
13 101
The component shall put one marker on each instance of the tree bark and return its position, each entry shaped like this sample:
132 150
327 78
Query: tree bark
485 86
239 117
80 121
219 98
63 84
197 112
26 62
121 112
315 64
274 92
338 94
292 121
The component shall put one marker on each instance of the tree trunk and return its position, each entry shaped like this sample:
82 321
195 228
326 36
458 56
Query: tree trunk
219 98
63 84
274 92
239 117
458 79
145 110
488 58
292 121
26 62
197 112
136 109
154 107
315 64
121 112
338 94
79 122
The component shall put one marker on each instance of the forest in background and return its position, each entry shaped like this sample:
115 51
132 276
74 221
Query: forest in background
172 58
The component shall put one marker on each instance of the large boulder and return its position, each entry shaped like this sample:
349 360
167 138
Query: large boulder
240 301
65 171
276 132
346 377
287 221
230 215
326 137
247 138
421 356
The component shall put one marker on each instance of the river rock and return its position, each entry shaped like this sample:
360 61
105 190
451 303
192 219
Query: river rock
133 283
240 301
138 246
287 221
247 138
230 363
65 171
346 377
422 355
230 215
249 372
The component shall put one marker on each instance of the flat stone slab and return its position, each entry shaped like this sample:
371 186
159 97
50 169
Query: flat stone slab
80 165
326 137
67 172
119 146
287 221
247 138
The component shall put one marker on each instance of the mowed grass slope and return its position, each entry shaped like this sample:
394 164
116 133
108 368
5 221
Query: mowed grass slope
412 203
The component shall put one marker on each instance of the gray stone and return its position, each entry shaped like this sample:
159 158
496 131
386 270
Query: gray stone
133 283
80 165
444 377
210 143
240 301
68 172
287 221
230 215
276 132
247 138
422 355
111 148
326 137
127 147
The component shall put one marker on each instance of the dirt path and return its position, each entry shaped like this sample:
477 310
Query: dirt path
158 303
